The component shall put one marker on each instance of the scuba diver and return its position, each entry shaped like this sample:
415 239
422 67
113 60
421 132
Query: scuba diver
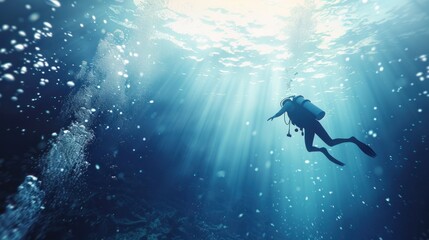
306 115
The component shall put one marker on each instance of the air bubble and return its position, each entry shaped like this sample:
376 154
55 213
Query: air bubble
6 66
34 17
53 3
37 36
47 24
70 84
8 77
19 47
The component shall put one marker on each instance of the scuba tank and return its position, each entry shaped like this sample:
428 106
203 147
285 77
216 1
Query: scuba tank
306 104
313 109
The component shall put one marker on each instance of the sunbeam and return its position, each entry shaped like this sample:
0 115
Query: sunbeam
148 119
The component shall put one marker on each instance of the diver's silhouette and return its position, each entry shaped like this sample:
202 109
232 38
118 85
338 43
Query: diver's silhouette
305 115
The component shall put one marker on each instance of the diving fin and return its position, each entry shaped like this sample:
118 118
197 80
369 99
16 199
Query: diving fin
364 148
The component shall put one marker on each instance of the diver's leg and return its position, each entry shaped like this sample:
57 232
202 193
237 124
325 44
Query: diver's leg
309 137
321 132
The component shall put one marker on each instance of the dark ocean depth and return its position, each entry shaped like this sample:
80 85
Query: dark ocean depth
147 119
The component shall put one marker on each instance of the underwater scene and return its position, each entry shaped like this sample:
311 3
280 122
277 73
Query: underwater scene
218 120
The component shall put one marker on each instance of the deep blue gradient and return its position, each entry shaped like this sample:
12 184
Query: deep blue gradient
176 96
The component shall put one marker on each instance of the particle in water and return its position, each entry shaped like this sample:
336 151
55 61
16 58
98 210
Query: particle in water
6 66
151 101
19 47
37 36
8 77
39 64
419 110
70 84
48 25
307 161
53 3
34 17
14 98
240 215
97 166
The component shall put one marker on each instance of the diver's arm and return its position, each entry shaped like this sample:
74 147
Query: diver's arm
287 106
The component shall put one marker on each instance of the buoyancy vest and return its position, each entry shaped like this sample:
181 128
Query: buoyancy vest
303 112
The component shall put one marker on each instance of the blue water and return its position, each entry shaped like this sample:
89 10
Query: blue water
148 119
